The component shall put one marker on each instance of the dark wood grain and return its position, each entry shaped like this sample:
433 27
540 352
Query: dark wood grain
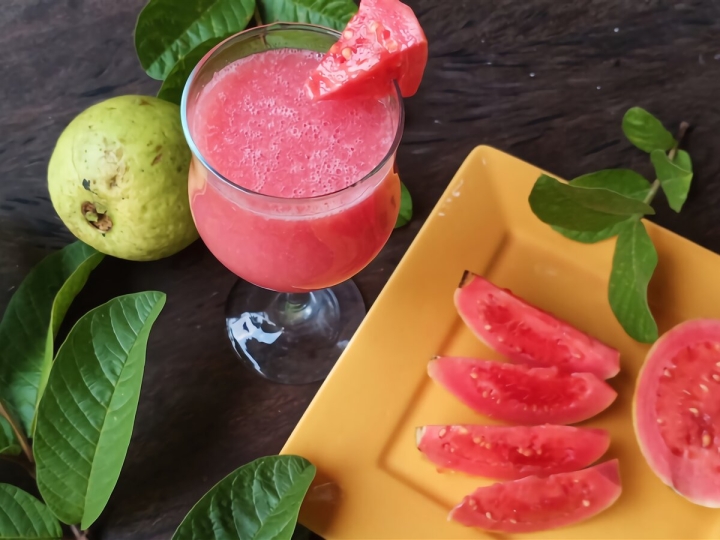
544 80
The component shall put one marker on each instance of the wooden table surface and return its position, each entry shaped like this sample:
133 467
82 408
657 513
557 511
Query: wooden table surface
547 81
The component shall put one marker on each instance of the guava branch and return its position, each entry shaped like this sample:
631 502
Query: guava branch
24 443
78 534
684 126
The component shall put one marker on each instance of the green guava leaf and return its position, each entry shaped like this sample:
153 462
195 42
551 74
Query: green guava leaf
675 176
645 131
173 86
581 208
23 517
591 237
86 416
682 160
31 322
8 441
331 13
258 501
168 30
633 265
623 181
406 207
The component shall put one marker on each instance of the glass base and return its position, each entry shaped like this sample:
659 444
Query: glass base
292 338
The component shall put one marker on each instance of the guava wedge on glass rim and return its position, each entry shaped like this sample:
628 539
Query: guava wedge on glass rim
382 43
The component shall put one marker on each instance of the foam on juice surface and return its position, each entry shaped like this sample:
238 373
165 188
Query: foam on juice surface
255 125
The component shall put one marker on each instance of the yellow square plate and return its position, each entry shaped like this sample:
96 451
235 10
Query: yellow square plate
360 430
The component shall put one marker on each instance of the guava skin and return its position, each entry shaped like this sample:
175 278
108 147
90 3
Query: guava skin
118 178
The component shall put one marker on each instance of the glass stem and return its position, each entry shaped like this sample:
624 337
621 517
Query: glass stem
297 301
295 308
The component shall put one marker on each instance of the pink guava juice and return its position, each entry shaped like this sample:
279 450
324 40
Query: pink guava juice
298 209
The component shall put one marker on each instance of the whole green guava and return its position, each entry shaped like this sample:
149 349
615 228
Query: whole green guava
118 178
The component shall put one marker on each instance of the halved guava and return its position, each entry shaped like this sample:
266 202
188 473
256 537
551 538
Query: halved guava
538 504
525 334
522 394
676 410
511 452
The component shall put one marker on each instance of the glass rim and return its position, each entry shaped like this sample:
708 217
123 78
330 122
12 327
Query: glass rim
264 30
